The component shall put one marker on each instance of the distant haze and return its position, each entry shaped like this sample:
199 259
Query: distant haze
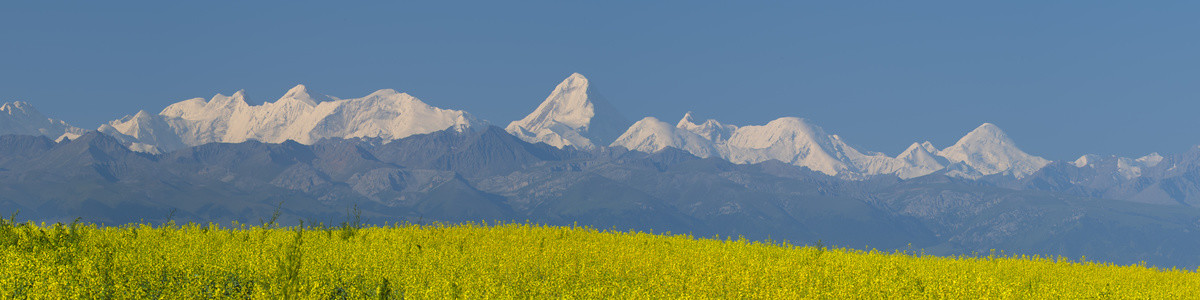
1061 80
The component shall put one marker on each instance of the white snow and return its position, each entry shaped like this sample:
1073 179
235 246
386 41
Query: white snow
22 118
573 115
1150 160
651 135
710 129
920 159
988 150
1084 160
1127 168
789 139
299 115
145 131
984 151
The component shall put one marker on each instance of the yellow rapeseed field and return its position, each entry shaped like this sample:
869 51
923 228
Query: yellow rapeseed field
517 261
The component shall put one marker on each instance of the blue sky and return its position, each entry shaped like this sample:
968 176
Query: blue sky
1061 78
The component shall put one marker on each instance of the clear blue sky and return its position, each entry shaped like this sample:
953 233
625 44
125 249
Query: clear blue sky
1061 78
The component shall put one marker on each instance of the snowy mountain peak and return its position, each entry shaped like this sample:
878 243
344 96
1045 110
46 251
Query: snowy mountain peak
686 121
782 131
198 109
928 147
791 140
17 107
384 93
1150 160
652 135
22 118
925 148
1083 160
142 114
301 116
574 80
296 91
303 95
237 100
568 104
987 134
1125 167
786 129
573 115
986 131
988 150
710 129
919 159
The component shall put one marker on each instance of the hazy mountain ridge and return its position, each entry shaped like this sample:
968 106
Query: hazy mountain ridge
573 115
574 160
490 175
982 152
21 118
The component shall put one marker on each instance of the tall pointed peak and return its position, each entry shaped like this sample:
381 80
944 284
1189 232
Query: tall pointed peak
794 123
686 120
301 93
575 80
572 91
142 114
240 94
918 150
573 115
929 147
914 148
297 91
709 129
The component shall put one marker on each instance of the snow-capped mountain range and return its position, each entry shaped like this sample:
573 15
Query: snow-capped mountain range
983 151
21 118
573 115
299 115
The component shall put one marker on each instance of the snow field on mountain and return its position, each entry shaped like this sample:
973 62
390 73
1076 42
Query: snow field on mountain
573 115
299 115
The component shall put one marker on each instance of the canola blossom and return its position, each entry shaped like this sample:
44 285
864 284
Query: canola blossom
478 261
